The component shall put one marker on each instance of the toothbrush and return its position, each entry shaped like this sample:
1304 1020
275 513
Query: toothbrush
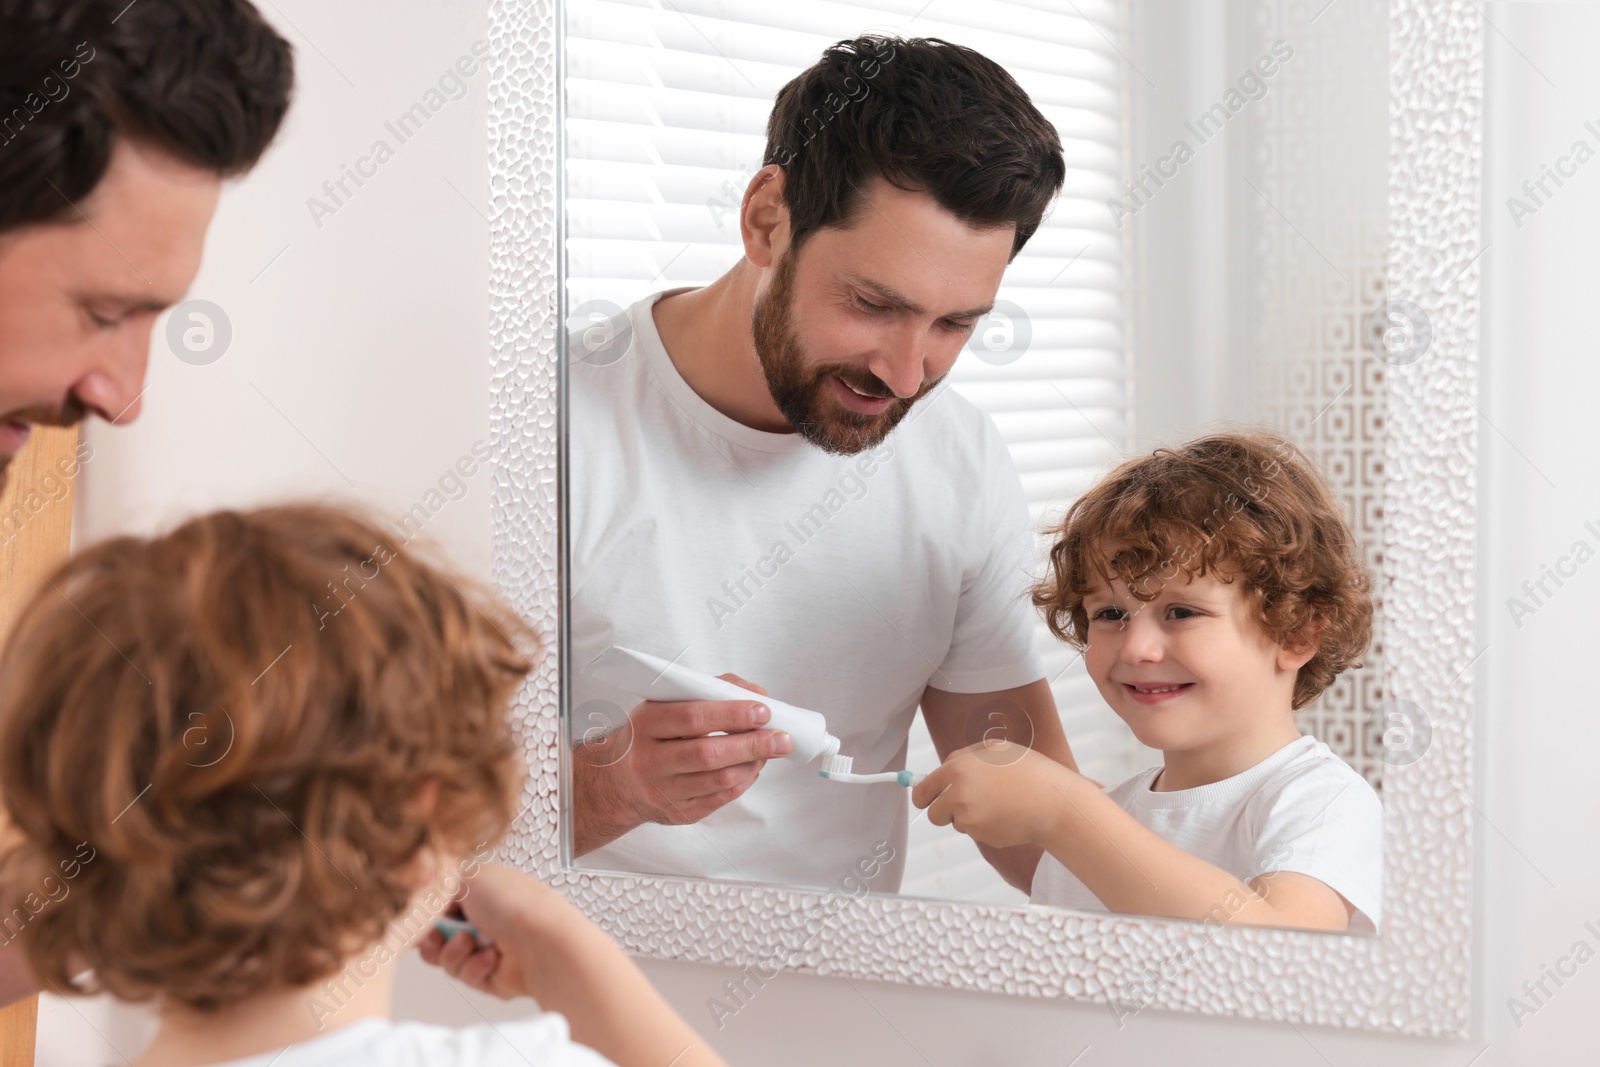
837 769
450 927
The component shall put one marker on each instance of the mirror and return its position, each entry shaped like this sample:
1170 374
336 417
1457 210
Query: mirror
761 482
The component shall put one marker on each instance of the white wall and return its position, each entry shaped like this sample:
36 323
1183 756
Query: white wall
371 338
359 353
357 365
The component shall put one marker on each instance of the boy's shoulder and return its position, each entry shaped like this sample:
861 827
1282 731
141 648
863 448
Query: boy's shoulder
544 1039
1313 761
1316 783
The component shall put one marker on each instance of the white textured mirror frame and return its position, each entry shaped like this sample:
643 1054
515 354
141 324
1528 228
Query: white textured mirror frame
1414 978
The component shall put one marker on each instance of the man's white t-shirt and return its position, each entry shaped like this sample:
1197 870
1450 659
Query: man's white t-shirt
1301 809
542 1041
844 584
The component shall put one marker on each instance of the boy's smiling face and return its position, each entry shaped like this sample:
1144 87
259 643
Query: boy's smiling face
1192 672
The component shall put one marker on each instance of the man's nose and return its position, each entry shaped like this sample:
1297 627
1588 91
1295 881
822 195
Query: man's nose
901 364
114 390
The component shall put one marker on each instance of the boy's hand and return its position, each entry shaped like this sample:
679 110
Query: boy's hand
996 792
501 903
545 948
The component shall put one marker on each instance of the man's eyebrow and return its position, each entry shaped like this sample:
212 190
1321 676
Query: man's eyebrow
905 303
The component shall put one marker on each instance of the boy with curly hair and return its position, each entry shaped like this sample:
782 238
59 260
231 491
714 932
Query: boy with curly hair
248 763
1214 589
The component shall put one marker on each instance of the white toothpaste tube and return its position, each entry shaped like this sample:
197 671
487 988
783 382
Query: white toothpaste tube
652 678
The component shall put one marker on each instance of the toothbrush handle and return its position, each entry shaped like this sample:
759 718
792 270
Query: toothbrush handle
450 927
903 778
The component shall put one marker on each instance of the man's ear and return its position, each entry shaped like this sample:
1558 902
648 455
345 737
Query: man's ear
764 217
1299 649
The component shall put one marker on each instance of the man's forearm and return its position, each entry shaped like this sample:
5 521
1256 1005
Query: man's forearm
599 814
1054 744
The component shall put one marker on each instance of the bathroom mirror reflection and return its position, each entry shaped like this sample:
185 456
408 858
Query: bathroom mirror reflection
845 346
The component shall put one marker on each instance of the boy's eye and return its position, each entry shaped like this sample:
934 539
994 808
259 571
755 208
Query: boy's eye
1109 614
1177 611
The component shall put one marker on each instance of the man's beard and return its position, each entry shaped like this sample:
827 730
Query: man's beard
71 414
804 393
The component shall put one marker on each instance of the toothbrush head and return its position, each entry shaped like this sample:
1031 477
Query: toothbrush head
832 765
838 769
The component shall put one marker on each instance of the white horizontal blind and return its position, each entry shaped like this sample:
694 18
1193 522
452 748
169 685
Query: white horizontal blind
667 104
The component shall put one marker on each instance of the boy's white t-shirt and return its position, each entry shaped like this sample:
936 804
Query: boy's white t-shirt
844 584
1301 809
542 1041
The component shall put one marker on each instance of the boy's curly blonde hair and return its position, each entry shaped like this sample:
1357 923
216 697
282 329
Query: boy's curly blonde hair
212 745
1247 506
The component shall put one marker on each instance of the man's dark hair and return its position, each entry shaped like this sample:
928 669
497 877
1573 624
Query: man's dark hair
204 81
923 114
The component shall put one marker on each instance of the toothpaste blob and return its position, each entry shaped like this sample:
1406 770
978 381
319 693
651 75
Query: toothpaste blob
652 678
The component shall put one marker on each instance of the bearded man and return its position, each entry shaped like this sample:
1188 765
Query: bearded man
771 475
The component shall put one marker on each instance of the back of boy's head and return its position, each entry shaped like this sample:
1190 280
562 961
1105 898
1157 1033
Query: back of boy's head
213 742
1240 506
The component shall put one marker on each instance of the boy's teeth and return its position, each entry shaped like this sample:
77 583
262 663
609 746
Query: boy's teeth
1158 689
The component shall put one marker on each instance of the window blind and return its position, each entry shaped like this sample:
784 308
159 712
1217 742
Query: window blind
667 103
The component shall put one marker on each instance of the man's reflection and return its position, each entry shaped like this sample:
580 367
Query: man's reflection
714 460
